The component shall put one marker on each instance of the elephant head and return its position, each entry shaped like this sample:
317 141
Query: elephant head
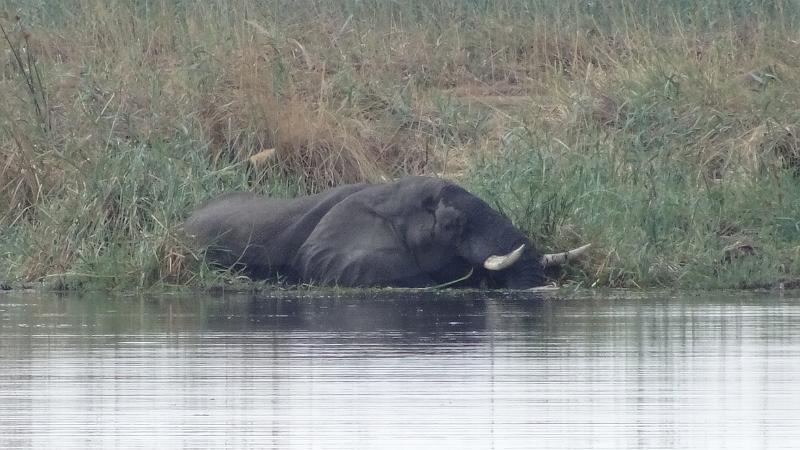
499 254
420 231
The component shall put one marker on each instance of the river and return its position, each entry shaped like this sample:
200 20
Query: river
297 370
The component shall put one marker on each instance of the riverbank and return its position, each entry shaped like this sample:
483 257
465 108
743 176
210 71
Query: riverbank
666 135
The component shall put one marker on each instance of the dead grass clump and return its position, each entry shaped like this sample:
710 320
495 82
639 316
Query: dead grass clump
608 111
47 254
243 116
323 131
724 153
321 150
178 262
738 247
27 172
784 144
571 52
772 146
21 184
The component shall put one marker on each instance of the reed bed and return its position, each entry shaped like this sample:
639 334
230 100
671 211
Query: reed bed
664 132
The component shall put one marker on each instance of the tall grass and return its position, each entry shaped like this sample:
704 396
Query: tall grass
663 131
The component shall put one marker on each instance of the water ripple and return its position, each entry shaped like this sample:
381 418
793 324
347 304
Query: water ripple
285 373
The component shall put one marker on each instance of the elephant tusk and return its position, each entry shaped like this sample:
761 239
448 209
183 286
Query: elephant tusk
495 262
556 259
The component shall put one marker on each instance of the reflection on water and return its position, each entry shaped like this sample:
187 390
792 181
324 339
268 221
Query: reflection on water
461 371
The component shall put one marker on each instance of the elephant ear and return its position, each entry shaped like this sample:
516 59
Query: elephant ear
355 245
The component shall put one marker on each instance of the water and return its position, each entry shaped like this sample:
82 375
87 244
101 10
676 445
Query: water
446 371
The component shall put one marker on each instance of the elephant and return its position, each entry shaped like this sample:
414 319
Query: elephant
417 231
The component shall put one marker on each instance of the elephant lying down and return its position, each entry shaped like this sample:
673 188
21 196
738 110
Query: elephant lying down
414 232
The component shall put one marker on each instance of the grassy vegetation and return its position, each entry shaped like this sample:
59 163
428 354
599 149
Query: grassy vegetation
665 132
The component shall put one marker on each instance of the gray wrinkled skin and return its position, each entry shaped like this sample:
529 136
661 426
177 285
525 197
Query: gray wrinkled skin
414 232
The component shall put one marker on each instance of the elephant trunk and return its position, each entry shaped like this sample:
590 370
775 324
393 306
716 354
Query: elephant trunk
557 259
